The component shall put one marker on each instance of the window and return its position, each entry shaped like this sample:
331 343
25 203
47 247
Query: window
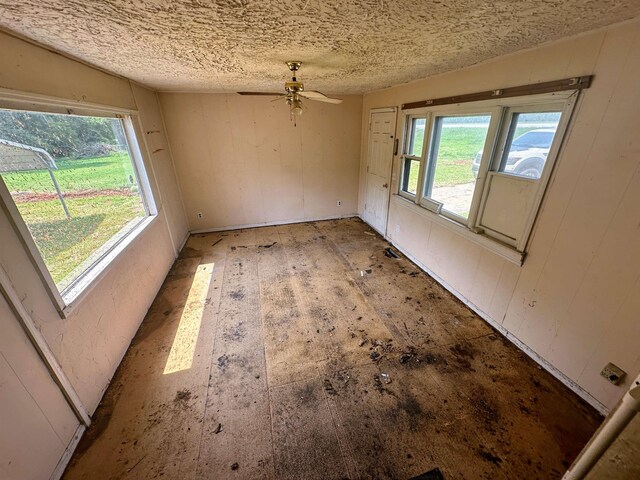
413 153
75 185
484 165
528 143
454 158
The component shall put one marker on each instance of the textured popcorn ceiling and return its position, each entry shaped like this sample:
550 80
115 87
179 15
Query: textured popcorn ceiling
347 46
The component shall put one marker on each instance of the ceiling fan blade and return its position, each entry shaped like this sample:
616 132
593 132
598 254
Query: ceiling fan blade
318 96
270 94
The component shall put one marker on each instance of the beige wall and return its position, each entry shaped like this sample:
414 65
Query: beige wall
90 343
240 161
576 300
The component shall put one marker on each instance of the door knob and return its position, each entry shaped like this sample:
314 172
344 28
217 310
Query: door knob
386 185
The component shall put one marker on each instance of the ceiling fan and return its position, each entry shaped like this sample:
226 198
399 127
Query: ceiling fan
295 92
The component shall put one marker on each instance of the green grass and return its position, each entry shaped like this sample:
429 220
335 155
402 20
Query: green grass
111 172
457 149
65 244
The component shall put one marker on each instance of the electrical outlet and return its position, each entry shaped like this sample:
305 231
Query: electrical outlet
199 215
397 228
613 373
339 203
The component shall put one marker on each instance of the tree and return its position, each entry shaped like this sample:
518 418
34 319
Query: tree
60 135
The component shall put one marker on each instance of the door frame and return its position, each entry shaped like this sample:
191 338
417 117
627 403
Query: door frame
393 110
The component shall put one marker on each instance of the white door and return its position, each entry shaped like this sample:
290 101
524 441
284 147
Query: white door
379 160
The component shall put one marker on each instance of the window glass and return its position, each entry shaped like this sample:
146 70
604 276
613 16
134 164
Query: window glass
413 148
454 160
528 143
74 184
416 137
410 176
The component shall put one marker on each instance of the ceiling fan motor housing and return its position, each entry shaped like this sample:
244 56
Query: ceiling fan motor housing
294 87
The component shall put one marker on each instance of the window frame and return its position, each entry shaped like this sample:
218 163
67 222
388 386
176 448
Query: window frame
406 140
443 112
502 111
565 107
507 134
65 301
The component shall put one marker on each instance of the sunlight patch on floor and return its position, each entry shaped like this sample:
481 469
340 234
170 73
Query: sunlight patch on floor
184 343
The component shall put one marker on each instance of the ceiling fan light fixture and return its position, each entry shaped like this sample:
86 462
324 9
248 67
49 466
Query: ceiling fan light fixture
296 107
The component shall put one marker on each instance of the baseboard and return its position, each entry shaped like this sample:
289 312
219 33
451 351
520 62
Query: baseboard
272 224
68 453
573 386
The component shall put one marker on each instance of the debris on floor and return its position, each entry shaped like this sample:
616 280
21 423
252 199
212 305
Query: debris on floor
379 384
434 474
328 387
390 252
216 242
408 355
398 360
182 395
343 377
268 245
385 346
488 456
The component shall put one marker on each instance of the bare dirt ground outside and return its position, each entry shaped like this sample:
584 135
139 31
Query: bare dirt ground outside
456 198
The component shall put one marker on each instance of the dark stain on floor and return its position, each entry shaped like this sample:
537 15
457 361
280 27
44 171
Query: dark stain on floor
324 358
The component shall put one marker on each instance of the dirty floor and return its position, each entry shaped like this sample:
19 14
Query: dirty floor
304 352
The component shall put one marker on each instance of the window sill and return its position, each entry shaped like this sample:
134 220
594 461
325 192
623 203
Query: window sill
76 293
505 251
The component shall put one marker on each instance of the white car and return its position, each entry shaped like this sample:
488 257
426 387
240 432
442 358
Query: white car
527 154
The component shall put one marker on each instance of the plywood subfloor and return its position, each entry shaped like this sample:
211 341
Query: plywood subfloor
303 352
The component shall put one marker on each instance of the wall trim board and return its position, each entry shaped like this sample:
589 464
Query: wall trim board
271 224
40 344
20 100
567 84
573 386
68 453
